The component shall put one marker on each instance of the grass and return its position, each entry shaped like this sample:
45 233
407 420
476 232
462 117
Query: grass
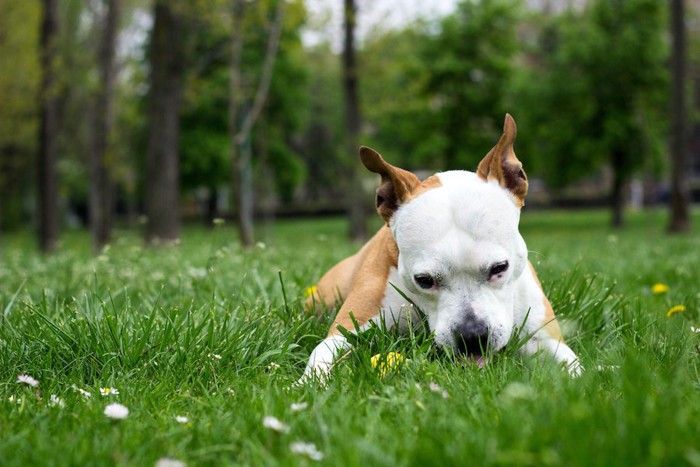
218 335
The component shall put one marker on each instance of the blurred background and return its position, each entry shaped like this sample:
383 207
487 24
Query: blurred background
149 114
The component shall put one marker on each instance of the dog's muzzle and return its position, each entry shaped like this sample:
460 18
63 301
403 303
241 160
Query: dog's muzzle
471 338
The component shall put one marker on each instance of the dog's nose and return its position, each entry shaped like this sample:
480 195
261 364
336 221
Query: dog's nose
471 338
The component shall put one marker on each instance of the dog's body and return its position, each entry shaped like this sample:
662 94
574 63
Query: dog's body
451 246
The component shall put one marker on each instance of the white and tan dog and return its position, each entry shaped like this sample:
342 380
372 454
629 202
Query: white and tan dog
451 245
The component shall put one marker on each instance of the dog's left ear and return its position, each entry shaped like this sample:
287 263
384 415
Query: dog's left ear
500 164
396 185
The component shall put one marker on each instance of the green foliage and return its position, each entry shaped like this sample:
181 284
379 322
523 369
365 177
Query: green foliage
205 141
597 94
19 79
204 330
470 62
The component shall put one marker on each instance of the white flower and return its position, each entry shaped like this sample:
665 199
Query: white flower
298 406
273 366
14 400
181 419
167 462
273 423
214 356
55 401
435 387
109 391
695 329
84 393
306 449
26 379
116 411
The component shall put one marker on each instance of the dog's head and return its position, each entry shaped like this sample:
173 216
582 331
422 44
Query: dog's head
460 251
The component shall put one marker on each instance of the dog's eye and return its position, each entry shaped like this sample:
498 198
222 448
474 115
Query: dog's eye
424 281
498 268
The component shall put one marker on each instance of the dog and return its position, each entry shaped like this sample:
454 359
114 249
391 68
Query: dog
450 252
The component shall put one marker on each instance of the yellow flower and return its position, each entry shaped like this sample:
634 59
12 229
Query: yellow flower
659 288
309 291
674 310
391 363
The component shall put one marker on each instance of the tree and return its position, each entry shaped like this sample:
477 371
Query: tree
680 190
357 212
243 115
598 98
47 178
101 185
167 59
471 61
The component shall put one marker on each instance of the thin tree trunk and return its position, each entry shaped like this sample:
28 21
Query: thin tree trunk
48 128
241 148
617 197
101 186
162 187
680 190
357 213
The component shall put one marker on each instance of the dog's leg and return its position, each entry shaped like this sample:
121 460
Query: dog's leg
542 326
323 356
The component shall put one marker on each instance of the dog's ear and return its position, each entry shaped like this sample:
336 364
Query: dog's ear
396 185
500 164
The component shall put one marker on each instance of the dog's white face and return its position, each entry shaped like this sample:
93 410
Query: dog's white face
460 253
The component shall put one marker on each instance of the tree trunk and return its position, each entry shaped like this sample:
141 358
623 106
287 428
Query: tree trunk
680 190
617 196
357 212
48 182
162 187
101 186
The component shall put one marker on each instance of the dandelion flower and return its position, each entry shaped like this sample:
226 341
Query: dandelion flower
181 419
274 424
298 406
55 401
116 411
309 291
306 449
391 363
109 391
674 310
659 288
26 379
167 462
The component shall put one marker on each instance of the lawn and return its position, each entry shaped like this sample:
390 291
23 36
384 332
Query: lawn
203 341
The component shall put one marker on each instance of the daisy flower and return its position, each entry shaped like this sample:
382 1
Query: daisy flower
435 387
298 406
274 424
55 401
83 392
109 391
116 411
306 449
167 462
181 419
26 379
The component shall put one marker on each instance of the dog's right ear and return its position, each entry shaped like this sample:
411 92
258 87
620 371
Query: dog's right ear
396 185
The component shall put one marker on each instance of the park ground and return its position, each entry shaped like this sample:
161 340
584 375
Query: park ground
202 343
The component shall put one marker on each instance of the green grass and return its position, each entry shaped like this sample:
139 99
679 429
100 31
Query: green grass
216 334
